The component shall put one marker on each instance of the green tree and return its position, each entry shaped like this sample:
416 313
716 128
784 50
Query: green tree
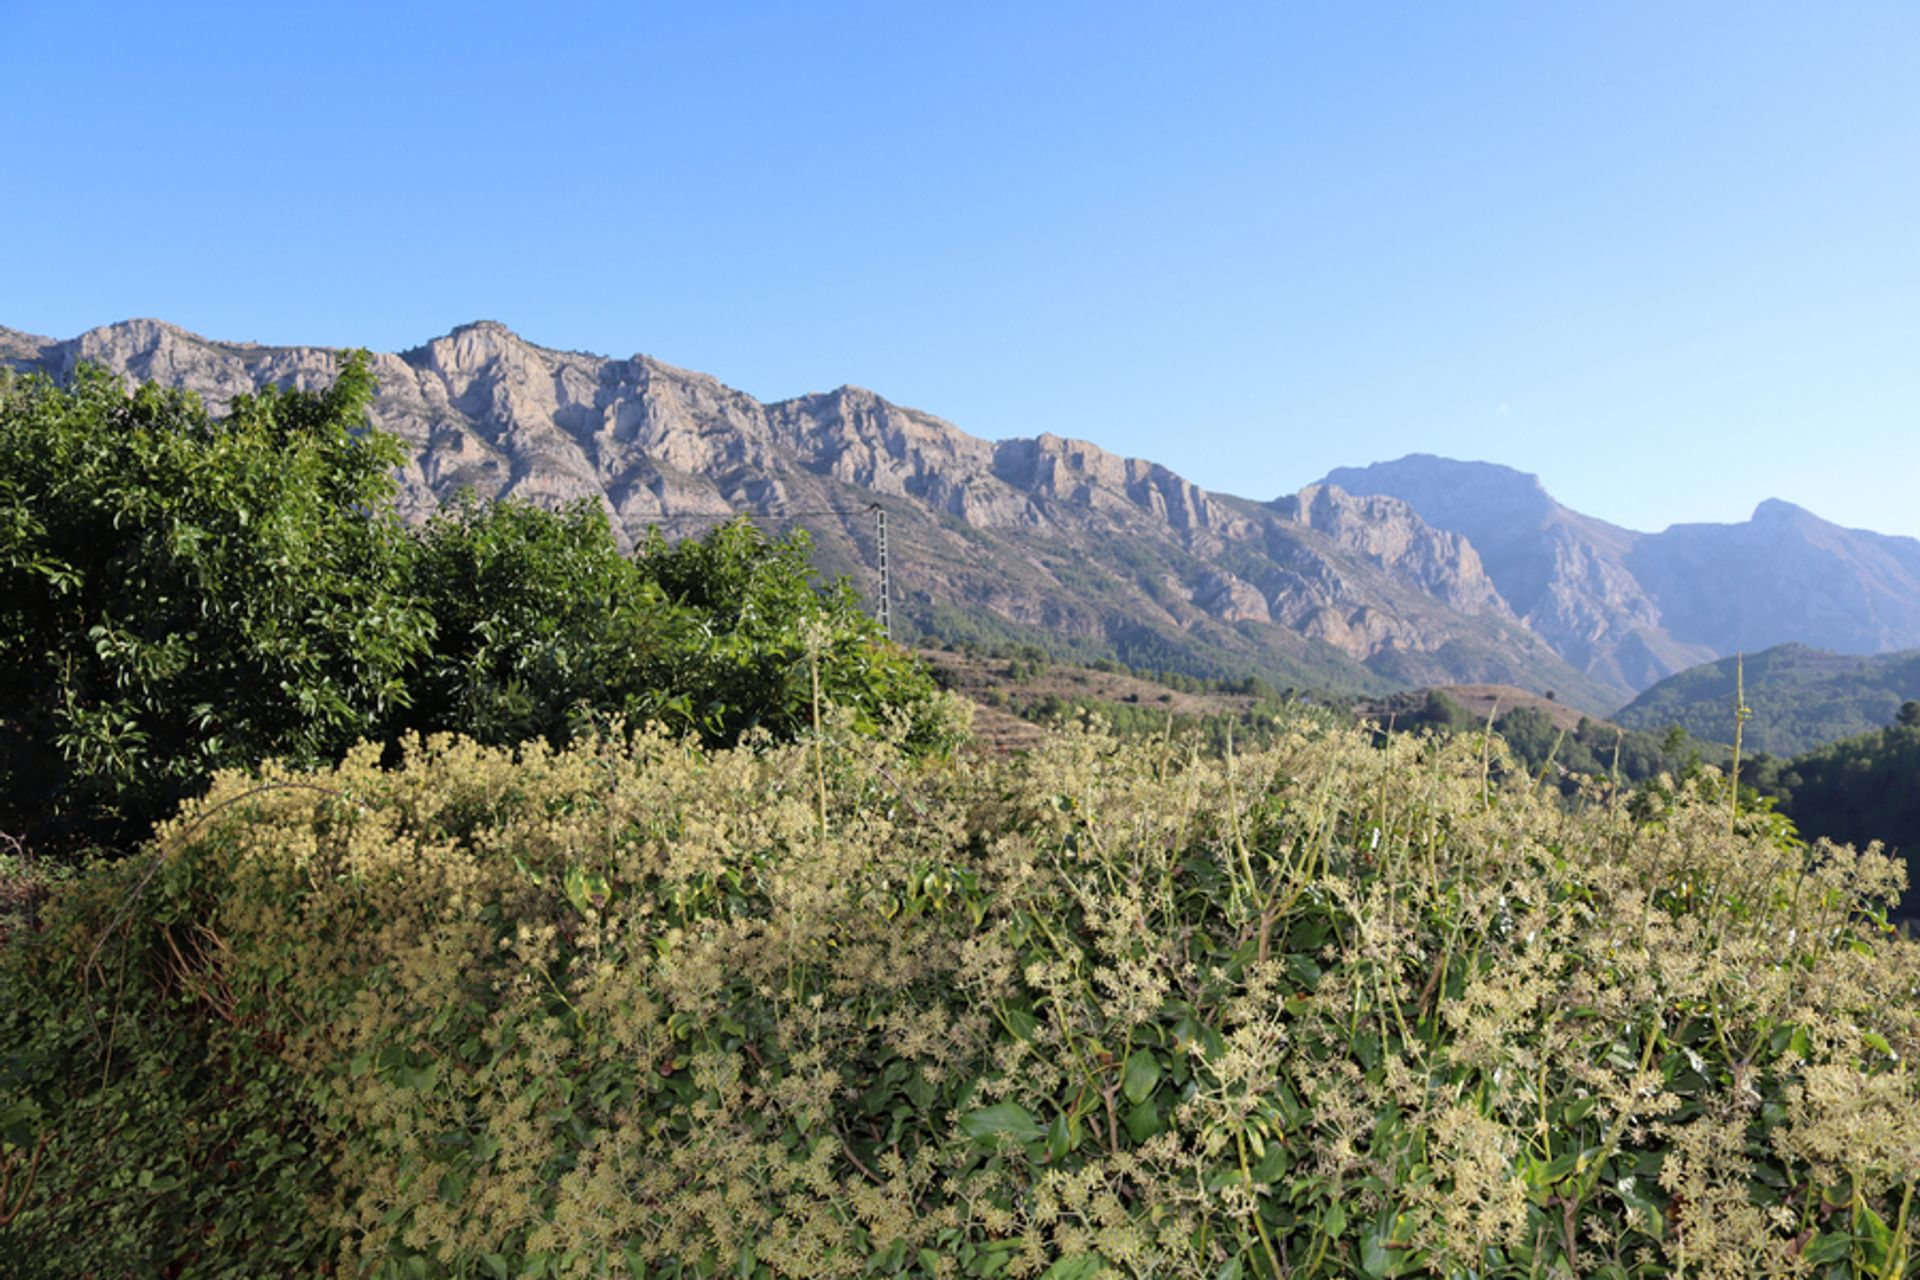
1442 712
1859 790
184 593
543 625
759 627
540 622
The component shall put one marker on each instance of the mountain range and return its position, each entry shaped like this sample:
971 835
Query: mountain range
1420 571
1632 608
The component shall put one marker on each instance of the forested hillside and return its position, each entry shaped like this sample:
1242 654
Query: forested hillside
1801 697
1858 791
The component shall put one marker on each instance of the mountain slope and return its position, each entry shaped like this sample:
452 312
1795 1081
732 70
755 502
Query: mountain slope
1801 697
1564 573
1785 575
1043 539
1630 608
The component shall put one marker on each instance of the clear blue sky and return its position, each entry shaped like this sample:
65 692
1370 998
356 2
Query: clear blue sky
1665 255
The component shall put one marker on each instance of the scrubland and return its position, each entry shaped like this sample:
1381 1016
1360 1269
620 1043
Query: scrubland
1331 1006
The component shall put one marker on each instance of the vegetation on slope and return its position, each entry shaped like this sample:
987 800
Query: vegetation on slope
1802 698
1209 651
1859 791
1329 1008
1027 682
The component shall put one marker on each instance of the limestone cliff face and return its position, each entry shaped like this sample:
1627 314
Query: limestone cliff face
1028 536
1390 533
1561 572
1631 608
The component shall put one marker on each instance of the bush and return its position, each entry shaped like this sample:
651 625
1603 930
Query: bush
1328 1008
543 627
188 593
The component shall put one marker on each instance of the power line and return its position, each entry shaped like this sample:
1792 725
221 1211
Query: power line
758 515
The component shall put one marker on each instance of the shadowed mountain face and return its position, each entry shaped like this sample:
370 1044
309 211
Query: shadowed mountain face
1631 608
1784 575
1043 539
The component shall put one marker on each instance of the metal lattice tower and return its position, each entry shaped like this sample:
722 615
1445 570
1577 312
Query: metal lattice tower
886 584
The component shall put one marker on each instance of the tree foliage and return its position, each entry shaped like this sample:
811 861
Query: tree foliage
542 626
185 593
1858 791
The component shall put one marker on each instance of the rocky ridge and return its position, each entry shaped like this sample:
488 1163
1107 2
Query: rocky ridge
1632 608
1370 579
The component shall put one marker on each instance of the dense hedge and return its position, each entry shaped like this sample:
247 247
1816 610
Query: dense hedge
1323 1009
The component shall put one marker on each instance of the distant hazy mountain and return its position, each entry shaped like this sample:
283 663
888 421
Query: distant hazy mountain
1801 697
1045 538
1630 608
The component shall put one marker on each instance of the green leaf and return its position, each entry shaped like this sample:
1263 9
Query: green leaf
585 890
1829 1246
986 1125
18 1121
1081 1266
1274 1165
1063 1135
1142 1075
1874 1234
1143 1121
1384 1250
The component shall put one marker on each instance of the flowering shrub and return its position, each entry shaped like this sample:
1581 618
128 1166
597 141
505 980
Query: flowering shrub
830 1009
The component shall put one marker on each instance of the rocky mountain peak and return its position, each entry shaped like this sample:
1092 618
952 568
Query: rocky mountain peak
469 348
483 326
1451 492
1779 509
1563 573
1389 532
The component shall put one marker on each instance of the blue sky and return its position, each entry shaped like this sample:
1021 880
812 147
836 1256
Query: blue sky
1665 255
